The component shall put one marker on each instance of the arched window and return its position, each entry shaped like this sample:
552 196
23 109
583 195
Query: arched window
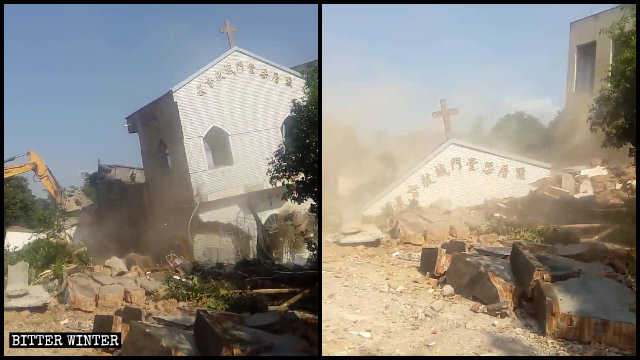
217 148
163 154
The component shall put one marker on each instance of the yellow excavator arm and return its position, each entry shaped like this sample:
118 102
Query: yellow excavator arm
35 164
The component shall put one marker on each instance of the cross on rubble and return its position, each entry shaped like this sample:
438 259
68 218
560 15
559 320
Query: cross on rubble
444 113
229 30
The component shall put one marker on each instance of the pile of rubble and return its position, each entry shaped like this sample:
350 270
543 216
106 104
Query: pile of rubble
570 299
211 333
124 295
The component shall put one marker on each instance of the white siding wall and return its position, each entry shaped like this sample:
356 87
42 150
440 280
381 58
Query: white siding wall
464 187
249 108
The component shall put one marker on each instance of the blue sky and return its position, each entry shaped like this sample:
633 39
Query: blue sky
386 67
72 73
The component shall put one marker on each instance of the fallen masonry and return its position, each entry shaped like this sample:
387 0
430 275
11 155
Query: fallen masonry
573 300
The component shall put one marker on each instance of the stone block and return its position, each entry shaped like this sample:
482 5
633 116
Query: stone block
130 313
81 292
454 246
482 278
525 267
135 296
117 265
215 338
111 296
106 323
153 340
17 279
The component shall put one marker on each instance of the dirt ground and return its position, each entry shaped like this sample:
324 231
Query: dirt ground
48 321
358 300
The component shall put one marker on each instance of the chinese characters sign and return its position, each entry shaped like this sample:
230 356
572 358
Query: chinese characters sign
472 164
239 67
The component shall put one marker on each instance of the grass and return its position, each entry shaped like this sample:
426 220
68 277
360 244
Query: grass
216 295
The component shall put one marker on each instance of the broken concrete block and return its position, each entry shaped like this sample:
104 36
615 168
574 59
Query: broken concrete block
482 278
569 183
586 188
270 321
135 296
434 261
448 290
369 237
117 265
215 338
151 286
81 292
130 313
454 246
525 267
106 323
459 231
185 268
37 296
586 309
17 280
140 261
153 340
180 322
438 231
104 279
557 192
111 296
499 251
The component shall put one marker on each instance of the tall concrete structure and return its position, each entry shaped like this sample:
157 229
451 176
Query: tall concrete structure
205 147
590 56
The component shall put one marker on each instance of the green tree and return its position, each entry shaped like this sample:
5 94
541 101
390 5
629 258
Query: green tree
523 132
295 164
614 110
19 203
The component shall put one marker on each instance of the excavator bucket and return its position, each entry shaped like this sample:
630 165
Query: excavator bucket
76 201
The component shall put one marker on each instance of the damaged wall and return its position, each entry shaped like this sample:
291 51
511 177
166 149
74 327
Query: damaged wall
465 174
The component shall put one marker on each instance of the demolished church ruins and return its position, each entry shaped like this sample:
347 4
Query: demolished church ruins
205 148
463 174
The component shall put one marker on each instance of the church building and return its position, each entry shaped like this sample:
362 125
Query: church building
205 148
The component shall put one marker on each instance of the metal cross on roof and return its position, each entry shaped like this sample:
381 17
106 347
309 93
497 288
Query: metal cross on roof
444 113
229 30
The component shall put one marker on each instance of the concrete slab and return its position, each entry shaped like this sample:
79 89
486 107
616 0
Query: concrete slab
367 237
153 340
36 297
485 278
215 338
454 246
588 308
526 269
499 251
17 280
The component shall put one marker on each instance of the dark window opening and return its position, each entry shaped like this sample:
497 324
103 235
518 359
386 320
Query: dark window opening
217 148
585 67
163 155
286 129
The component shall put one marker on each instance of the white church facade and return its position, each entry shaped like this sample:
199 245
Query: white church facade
463 173
206 144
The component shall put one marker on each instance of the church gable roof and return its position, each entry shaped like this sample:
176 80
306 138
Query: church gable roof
440 149
227 53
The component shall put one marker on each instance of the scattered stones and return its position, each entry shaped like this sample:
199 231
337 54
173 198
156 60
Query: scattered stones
448 290
117 265
437 305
